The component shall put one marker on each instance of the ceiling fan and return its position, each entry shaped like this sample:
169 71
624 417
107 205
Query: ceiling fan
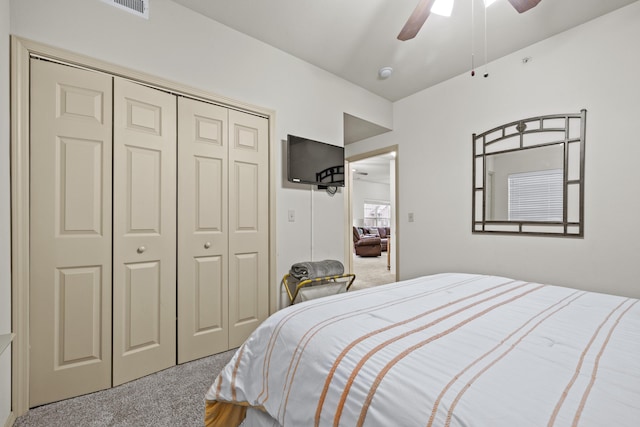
423 9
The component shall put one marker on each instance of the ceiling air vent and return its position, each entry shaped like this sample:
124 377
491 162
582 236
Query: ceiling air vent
137 7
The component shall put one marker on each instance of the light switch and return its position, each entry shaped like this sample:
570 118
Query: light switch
410 216
292 215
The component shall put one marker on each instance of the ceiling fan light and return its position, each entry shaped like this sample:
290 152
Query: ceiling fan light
442 7
488 3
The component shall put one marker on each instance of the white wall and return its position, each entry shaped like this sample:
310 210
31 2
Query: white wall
594 66
180 45
5 225
366 191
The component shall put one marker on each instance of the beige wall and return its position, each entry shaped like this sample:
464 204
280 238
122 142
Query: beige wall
592 67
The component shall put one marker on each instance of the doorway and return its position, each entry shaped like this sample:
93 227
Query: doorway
372 205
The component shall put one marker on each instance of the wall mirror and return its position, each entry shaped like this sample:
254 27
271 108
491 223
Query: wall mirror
528 177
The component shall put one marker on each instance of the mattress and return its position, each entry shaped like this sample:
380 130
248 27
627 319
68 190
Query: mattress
443 350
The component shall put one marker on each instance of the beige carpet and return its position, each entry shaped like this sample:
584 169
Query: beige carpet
170 398
371 271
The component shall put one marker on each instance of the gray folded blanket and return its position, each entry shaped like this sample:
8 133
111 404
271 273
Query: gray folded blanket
315 269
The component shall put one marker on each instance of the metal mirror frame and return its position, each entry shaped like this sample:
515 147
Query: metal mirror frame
567 130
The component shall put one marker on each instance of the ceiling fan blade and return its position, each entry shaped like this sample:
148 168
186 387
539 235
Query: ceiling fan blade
416 20
523 5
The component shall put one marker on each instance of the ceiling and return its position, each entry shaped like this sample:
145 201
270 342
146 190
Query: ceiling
372 169
353 39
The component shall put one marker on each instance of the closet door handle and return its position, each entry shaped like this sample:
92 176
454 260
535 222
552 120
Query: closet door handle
207 245
141 249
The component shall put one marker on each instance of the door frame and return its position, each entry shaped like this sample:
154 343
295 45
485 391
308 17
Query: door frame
395 235
21 52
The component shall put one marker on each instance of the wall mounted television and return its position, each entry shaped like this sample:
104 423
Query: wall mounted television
314 162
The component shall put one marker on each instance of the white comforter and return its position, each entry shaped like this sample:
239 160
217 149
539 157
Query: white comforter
443 350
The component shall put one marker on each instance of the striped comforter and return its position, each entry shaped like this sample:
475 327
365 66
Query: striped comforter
442 350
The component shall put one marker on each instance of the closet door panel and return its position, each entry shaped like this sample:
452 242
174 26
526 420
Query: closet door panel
70 232
144 252
202 231
248 224
142 299
247 308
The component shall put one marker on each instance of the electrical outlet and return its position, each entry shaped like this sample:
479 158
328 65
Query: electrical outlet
292 215
410 216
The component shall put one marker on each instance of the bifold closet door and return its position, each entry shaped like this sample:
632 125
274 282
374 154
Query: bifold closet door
248 224
203 237
70 232
144 231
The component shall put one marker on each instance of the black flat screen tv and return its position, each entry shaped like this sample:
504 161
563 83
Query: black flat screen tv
314 162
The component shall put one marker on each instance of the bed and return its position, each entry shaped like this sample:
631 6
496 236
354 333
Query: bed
442 350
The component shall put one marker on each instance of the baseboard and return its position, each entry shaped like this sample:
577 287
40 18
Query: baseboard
12 419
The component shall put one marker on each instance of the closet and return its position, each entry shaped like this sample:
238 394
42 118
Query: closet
149 239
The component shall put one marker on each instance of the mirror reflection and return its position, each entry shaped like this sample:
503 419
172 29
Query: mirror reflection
525 185
528 177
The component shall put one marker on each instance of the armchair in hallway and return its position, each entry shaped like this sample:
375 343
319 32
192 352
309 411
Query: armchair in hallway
366 244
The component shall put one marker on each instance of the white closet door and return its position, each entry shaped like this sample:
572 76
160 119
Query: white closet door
202 230
248 224
144 229
70 232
